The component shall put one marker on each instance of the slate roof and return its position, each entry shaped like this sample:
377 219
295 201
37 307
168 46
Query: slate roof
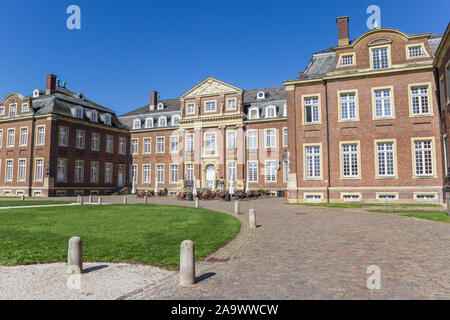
273 96
323 61
62 101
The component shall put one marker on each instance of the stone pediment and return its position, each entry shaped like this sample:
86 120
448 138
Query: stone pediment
210 87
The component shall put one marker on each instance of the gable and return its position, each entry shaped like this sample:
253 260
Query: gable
210 87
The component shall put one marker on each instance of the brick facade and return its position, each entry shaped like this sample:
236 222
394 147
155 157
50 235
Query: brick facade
366 121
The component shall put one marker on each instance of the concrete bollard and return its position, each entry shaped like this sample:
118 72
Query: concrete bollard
252 219
187 263
22 197
196 203
100 201
236 207
90 199
146 200
125 200
75 256
81 201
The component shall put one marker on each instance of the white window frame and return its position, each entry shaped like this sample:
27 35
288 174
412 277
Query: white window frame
273 138
231 140
149 123
162 122
23 137
11 139
382 100
422 97
210 103
252 141
190 143
271 112
351 161
174 173
380 58
136 124
253 171
271 177
160 150
147 145
250 113
174 148
234 100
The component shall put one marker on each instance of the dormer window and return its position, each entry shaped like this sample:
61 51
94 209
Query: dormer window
285 111
79 113
136 124
253 113
162 122
107 119
347 60
12 110
416 51
260 95
160 106
271 112
94 116
175 120
25 107
149 123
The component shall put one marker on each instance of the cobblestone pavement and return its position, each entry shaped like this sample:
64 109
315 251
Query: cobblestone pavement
303 252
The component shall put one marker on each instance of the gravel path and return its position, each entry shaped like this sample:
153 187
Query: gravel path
100 281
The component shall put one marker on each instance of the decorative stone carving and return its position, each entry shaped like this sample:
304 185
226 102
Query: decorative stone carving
211 87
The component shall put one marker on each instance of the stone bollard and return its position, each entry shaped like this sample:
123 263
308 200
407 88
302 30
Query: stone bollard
196 203
236 207
125 200
146 200
252 219
187 263
81 201
75 256
90 198
448 204
100 201
22 197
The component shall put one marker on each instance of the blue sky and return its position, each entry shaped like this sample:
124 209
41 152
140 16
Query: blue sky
127 48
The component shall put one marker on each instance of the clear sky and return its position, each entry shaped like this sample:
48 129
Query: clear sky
127 48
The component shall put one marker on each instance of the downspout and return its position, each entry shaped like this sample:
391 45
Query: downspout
328 141
441 134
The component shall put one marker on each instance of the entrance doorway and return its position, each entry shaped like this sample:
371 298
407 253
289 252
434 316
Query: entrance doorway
210 177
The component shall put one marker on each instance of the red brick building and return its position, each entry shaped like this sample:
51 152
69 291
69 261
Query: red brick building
57 142
364 121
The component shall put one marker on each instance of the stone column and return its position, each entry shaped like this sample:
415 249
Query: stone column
187 263
75 256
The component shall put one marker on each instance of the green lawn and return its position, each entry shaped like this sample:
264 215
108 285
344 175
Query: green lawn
148 234
19 203
358 205
433 215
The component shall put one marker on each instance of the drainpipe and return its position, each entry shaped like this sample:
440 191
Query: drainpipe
328 140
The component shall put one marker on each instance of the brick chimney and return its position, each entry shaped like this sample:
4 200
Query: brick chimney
51 84
343 38
153 100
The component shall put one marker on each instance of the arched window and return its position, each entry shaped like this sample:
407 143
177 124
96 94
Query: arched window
162 121
136 124
149 122
253 113
271 112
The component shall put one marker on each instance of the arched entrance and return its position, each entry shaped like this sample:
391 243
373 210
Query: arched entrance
210 177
